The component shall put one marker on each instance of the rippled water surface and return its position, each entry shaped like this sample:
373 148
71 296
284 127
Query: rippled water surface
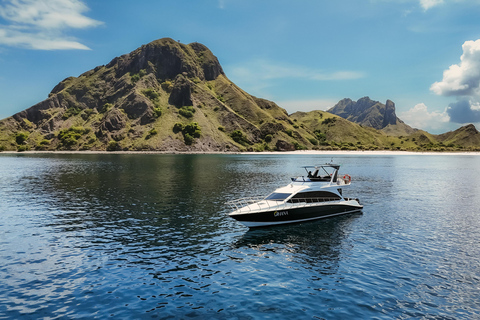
147 236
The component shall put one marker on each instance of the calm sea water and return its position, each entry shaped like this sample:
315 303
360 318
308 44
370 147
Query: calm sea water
147 236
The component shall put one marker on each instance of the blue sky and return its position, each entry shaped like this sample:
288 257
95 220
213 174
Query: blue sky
305 55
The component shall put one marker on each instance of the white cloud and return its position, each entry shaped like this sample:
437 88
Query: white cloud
39 24
427 4
337 75
462 79
38 41
463 82
475 106
307 105
259 75
419 117
261 69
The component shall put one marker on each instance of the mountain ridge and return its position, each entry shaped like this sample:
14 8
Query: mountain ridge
174 97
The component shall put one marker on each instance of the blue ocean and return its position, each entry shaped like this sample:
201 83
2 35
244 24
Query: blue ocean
147 236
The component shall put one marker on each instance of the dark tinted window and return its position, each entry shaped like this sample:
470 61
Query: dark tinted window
277 196
316 196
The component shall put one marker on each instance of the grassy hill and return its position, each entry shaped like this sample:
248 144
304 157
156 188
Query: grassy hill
169 96
335 133
163 96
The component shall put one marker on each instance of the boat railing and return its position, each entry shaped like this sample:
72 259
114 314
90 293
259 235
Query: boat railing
243 202
258 203
341 181
311 179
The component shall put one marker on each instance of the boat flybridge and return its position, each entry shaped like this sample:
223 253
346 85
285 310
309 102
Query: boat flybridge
314 196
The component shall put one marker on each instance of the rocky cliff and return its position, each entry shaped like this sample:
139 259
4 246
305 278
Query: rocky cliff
373 114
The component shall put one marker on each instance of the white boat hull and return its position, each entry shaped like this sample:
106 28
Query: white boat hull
251 217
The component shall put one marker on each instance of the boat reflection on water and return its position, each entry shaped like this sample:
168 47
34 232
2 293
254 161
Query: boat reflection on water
318 243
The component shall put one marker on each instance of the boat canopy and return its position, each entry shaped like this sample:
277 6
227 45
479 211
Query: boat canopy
323 172
335 166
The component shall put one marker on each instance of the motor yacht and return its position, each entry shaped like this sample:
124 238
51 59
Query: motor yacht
317 195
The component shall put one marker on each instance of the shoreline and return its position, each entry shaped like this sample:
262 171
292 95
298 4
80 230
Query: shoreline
296 152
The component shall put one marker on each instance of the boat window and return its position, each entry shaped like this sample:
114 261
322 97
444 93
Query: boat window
315 196
324 178
277 196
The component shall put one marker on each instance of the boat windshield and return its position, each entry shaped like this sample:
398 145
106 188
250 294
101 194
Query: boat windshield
277 196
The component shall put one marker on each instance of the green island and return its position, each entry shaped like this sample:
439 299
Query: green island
173 97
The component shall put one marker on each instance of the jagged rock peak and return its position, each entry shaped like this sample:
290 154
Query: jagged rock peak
167 58
389 117
367 112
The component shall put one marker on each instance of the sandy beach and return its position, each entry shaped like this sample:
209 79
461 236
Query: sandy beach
297 152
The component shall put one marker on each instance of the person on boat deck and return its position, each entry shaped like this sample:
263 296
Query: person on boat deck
309 174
